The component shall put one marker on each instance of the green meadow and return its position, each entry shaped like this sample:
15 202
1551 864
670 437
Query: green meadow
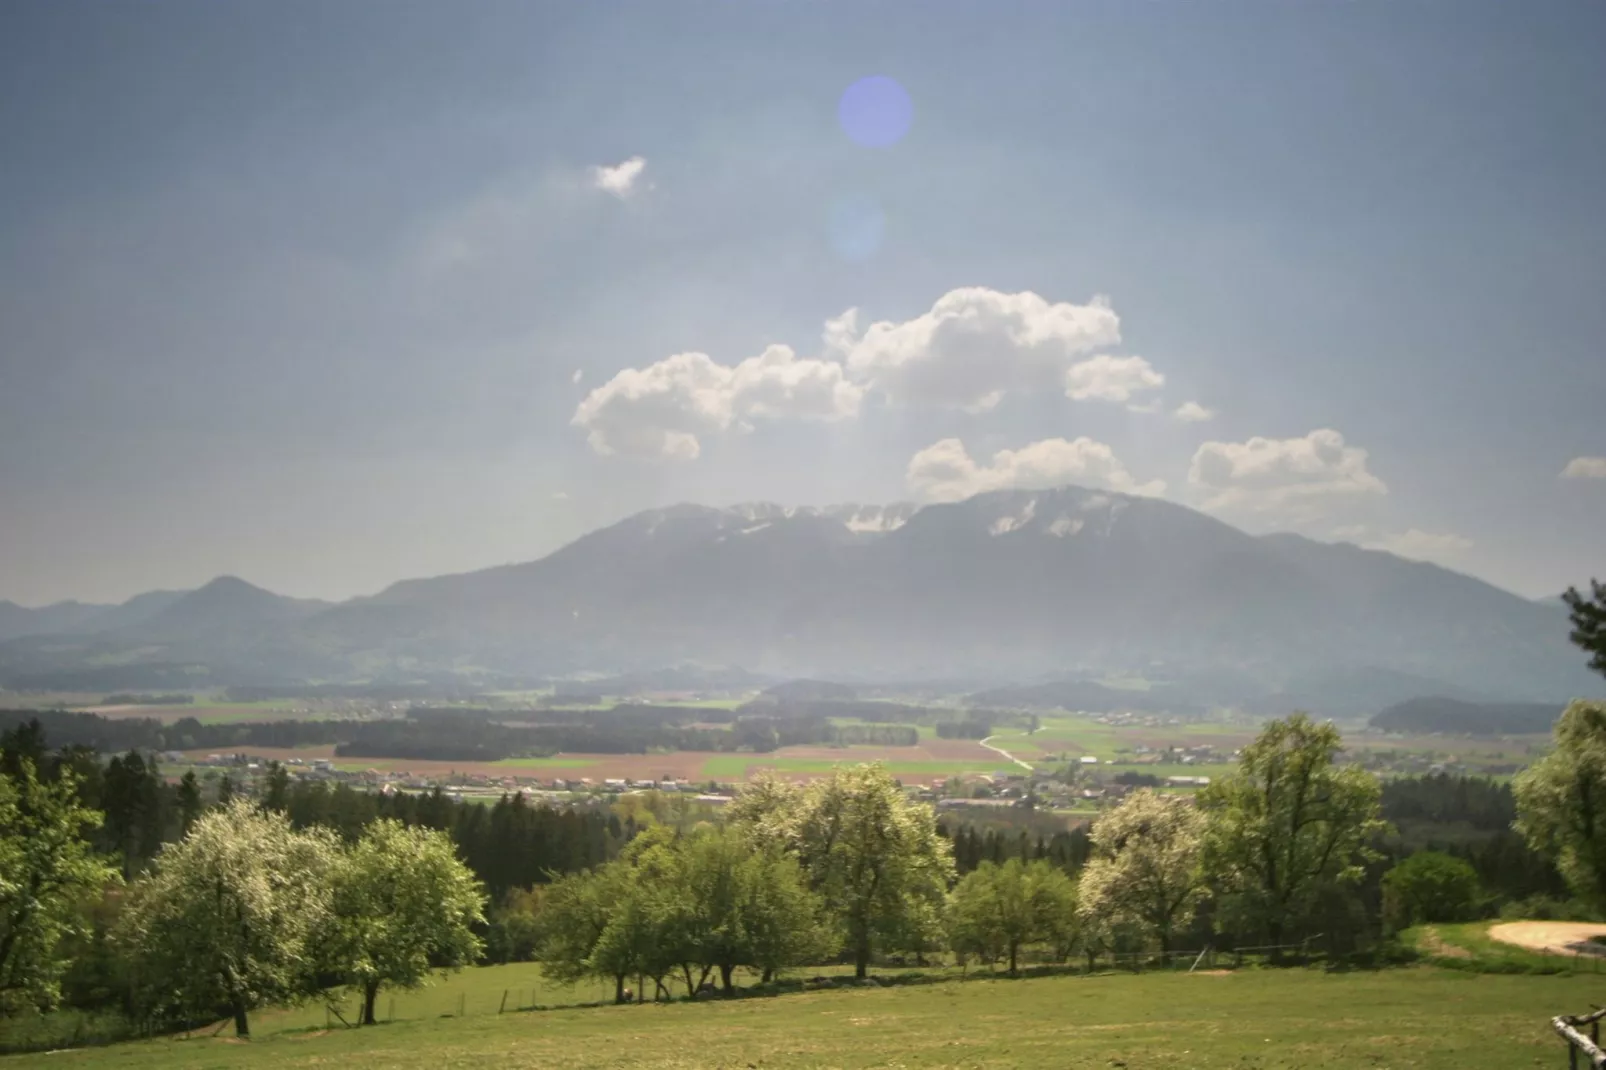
1257 1018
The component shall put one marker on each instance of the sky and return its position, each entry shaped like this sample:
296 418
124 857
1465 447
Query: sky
331 295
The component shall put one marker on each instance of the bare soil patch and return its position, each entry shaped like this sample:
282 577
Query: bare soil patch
1554 937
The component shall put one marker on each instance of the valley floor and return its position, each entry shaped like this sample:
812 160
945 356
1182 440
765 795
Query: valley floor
1409 1017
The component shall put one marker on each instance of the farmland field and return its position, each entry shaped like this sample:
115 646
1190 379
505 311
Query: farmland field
934 760
1415 1017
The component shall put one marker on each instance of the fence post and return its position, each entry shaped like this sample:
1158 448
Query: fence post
503 1005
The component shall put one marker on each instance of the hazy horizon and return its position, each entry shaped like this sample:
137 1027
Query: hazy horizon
331 297
721 506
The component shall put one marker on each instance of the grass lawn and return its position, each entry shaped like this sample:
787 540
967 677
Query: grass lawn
1415 1017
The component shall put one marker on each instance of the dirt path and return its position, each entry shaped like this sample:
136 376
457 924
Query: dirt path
988 743
1555 937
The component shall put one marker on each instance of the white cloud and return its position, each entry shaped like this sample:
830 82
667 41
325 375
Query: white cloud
973 347
1191 412
1420 545
1281 475
579 374
973 343
1413 543
1585 468
842 333
621 179
662 409
560 495
1107 378
944 471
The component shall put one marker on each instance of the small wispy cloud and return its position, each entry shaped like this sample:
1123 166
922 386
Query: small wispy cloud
1585 468
622 179
1191 412
579 373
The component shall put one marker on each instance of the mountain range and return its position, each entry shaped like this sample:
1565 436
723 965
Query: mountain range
1005 587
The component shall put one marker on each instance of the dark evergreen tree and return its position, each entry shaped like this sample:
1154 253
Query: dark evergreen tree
189 801
1589 622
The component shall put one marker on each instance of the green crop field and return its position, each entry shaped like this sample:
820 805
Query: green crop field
1412 1017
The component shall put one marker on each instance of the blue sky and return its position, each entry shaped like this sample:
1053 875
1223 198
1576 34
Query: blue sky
298 291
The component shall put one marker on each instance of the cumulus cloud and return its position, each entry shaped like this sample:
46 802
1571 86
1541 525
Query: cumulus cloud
1107 378
622 179
944 471
662 409
1413 543
1420 545
1585 468
1282 475
974 343
1191 412
972 348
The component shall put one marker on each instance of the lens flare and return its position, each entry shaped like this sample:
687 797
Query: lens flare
857 225
875 112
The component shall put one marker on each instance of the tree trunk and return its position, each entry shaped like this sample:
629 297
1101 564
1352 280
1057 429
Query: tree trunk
1013 949
618 988
769 975
370 995
725 977
242 1026
861 959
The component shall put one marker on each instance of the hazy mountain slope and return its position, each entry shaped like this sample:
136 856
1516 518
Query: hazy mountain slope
1010 583
136 610
1439 714
223 608
225 632
1005 586
16 621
